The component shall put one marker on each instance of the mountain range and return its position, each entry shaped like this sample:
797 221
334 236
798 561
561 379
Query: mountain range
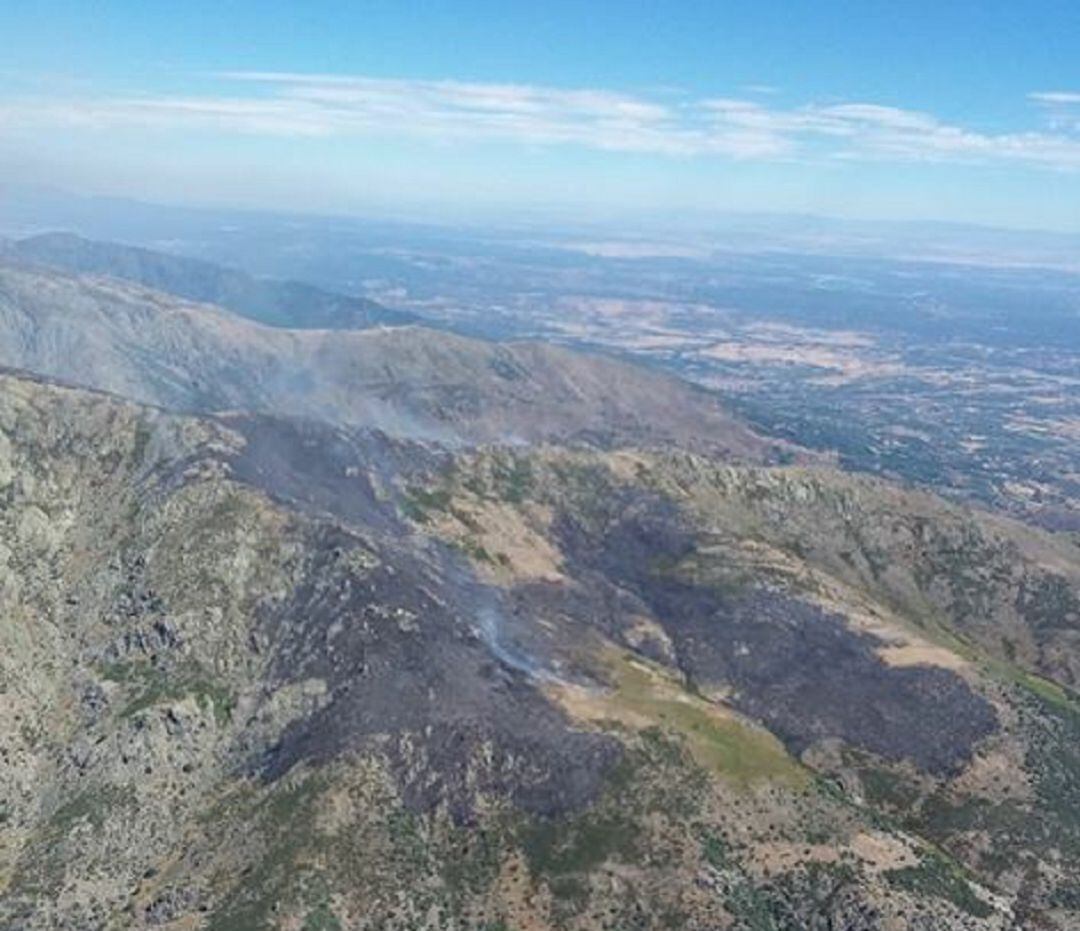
391 628
112 335
275 303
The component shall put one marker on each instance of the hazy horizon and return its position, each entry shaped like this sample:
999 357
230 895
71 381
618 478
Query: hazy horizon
510 216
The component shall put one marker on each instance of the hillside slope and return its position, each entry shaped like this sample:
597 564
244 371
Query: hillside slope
155 348
290 304
918 654
264 673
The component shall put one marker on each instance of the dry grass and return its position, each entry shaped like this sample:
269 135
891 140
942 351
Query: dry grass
643 696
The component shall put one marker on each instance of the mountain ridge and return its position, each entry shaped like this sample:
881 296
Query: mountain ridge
289 304
309 652
162 350
396 629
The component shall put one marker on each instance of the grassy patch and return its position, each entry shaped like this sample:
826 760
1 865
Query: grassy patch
514 481
714 851
564 853
472 862
883 788
93 805
941 878
1049 691
719 742
148 686
40 870
751 908
557 849
284 824
474 550
420 504
228 513
321 918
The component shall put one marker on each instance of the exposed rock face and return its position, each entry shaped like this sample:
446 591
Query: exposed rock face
169 632
259 671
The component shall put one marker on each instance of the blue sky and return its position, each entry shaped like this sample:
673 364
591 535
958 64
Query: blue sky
957 109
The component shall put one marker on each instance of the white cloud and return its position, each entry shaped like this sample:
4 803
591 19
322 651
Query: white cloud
853 131
1055 97
291 104
1061 110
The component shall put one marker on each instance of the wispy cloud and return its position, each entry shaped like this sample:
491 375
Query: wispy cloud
1056 97
1061 110
292 104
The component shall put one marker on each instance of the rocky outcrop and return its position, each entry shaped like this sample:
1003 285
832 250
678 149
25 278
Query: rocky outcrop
254 677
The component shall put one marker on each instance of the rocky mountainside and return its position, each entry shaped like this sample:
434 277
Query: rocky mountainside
291 304
262 672
156 348
394 629
920 656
